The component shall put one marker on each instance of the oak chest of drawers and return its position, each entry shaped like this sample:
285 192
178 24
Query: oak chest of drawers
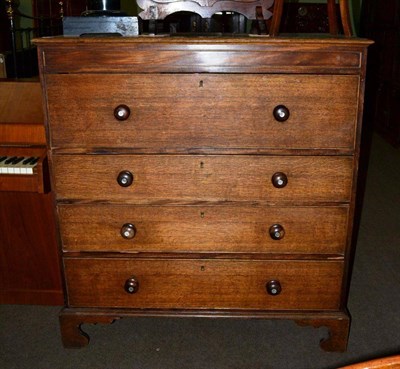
210 177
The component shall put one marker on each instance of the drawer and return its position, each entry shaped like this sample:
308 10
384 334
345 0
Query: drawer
216 229
198 111
203 284
171 178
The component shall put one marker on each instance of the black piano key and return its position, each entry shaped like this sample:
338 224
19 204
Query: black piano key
34 161
17 160
3 158
10 160
28 160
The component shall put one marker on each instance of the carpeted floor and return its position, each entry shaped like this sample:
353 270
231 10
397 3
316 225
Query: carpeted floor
29 335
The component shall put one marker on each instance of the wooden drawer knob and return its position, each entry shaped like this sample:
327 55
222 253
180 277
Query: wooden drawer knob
125 178
122 112
281 113
276 232
279 180
128 231
131 285
273 287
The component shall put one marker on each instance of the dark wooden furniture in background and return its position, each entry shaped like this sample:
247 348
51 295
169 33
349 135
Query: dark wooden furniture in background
333 19
380 22
205 176
29 262
305 18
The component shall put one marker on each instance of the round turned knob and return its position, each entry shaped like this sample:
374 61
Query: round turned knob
276 232
125 178
279 180
122 112
273 288
128 231
281 113
131 285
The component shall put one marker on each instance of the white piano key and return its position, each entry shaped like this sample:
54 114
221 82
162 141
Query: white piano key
29 167
3 165
3 168
18 168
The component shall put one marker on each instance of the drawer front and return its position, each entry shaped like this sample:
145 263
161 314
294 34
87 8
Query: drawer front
216 229
203 284
166 178
176 112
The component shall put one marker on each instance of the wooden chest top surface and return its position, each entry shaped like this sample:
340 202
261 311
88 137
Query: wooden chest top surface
202 54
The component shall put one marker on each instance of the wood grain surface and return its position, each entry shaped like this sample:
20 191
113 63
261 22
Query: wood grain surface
211 229
192 178
208 284
194 111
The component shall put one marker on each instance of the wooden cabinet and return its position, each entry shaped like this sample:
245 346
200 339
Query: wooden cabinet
204 176
29 261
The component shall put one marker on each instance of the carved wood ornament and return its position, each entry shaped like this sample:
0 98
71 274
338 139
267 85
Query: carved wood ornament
159 9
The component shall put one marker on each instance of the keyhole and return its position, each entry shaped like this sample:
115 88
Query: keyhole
201 164
201 84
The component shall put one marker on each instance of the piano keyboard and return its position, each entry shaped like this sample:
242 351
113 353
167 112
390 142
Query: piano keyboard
18 164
